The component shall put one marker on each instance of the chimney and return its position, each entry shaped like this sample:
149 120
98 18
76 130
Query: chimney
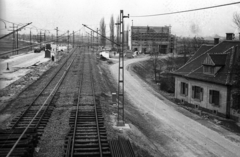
216 41
229 36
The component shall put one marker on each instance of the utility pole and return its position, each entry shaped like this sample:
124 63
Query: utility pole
31 39
68 40
40 36
97 39
88 41
17 39
56 39
82 39
121 121
73 38
44 35
14 40
91 40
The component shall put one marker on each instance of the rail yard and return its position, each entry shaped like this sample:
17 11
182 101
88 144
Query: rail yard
119 78
72 88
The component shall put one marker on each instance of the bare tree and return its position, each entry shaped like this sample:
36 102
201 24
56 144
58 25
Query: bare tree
154 58
127 36
197 42
236 20
103 32
118 30
111 25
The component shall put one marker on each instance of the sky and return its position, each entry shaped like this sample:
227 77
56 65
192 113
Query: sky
71 14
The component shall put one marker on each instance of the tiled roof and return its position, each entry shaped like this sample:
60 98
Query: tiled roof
200 51
218 59
224 52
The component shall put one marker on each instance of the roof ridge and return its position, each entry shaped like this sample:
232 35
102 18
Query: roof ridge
200 55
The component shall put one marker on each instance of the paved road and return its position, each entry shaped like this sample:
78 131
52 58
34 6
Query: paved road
185 137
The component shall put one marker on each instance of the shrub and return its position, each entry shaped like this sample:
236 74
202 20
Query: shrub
167 84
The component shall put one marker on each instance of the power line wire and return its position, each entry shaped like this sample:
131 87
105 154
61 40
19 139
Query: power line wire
177 12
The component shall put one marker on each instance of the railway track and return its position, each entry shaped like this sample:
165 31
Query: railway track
26 129
87 136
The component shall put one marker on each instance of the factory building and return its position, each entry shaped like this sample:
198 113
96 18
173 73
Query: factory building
147 39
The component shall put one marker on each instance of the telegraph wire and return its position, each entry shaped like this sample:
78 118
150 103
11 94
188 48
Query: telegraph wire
184 11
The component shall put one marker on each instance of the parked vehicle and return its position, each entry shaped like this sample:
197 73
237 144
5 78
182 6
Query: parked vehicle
36 49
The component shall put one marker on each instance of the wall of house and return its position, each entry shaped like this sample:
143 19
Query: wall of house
204 104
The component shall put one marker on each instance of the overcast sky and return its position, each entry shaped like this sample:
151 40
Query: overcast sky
71 14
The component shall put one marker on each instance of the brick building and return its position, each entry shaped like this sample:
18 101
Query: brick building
205 81
151 39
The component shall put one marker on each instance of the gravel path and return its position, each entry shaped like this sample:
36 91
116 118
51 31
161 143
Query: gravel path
171 132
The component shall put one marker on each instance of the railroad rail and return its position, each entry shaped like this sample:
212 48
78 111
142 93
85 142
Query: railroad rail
87 136
29 125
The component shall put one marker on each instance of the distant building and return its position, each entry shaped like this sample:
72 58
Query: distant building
205 81
149 39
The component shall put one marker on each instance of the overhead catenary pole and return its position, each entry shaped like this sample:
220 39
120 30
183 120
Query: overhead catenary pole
73 38
88 40
93 42
56 39
15 30
121 121
17 39
68 40
40 36
13 38
31 39
97 40
44 35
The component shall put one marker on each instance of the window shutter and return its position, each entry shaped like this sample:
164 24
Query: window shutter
180 84
186 89
201 94
217 98
210 96
193 91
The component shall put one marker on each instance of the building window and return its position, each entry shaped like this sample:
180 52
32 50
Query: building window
208 69
214 97
236 102
197 93
184 88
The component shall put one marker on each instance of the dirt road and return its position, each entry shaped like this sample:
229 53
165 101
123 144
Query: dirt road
180 135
